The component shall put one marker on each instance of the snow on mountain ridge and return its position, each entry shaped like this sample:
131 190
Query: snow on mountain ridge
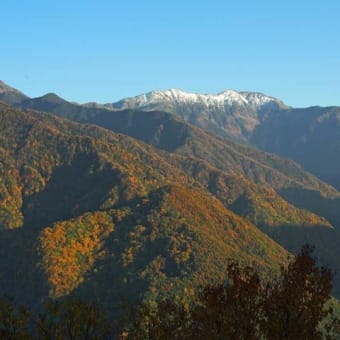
226 98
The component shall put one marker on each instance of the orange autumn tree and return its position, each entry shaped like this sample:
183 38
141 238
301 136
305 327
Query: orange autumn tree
69 249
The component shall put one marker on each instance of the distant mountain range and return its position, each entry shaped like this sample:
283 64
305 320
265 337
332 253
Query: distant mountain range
229 113
141 203
309 136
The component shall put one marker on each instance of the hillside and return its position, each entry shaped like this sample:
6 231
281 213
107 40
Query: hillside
79 204
169 243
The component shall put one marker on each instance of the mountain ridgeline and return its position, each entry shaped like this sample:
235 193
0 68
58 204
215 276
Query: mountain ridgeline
148 197
309 136
10 95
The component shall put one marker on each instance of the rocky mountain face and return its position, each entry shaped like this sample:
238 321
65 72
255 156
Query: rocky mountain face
229 113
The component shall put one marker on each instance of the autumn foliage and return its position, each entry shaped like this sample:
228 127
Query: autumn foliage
69 249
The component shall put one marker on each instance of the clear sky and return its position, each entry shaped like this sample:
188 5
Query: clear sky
104 50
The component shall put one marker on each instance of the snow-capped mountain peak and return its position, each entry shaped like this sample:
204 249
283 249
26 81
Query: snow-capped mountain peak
173 96
229 112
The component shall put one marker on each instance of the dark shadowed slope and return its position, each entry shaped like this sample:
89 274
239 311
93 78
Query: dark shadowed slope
310 136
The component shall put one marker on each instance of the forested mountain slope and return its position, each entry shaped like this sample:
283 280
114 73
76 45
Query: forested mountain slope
80 203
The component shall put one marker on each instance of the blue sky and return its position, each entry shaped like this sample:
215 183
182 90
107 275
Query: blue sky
103 50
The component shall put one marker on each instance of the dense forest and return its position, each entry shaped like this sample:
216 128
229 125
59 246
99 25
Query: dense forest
108 218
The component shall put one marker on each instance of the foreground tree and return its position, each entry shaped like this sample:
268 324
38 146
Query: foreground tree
231 311
294 303
290 307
